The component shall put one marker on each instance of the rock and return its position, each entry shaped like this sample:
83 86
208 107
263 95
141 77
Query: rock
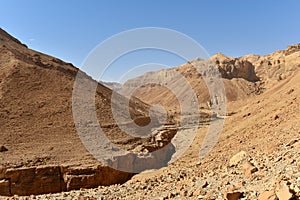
233 195
52 179
283 192
79 177
5 187
237 158
292 142
249 168
290 91
294 187
183 193
198 191
2 173
267 195
171 195
201 197
235 68
3 148
190 193
292 49
158 137
202 183
26 181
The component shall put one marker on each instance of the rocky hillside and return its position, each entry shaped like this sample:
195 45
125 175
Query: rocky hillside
243 77
238 76
256 157
276 66
39 142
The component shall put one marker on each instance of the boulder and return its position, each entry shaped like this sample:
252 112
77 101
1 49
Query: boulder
233 195
267 195
249 168
283 192
237 158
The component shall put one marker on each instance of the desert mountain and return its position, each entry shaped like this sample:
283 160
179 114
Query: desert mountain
243 77
37 126
256 156
238 76
36 94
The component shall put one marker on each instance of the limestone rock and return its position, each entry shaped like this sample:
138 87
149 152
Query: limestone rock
283 192
267 195
237 158
249 168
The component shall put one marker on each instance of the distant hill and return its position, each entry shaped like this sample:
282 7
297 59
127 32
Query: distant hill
243 77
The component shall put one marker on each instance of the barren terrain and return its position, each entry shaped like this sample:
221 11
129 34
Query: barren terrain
256 157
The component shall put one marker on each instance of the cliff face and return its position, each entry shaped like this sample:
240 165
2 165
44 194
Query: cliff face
276 66
235 68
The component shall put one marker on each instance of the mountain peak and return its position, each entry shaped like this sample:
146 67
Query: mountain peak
220 56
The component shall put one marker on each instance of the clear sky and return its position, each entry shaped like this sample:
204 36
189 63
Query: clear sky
71 29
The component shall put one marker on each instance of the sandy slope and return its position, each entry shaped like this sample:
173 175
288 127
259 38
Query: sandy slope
36 119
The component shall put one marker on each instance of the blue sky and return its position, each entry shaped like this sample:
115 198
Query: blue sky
71 29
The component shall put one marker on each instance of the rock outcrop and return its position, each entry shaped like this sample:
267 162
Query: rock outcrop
52 179
292 49
277 66
235 68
